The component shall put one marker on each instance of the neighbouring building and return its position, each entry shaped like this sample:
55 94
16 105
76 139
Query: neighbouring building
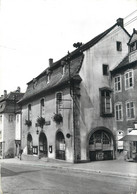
10 124
125 98
68 110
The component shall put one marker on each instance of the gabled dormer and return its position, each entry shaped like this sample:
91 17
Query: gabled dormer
132 45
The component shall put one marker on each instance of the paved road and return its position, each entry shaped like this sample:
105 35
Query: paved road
25 179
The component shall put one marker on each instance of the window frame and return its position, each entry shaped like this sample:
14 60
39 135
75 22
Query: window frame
117 104
29 112
105 69
58 110
119 45
128 72
103 103
42 110
116 83
128 110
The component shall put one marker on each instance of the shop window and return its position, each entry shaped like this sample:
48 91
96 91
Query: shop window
106 102
119 46
130 110
129 79
42 108
35 150
59 102
105 69
118 111
117 83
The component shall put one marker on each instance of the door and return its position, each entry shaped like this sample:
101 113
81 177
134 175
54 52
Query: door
43 145
60 146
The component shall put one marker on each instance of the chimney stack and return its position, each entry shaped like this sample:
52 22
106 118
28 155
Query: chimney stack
120 22
50 62
5 93
18 89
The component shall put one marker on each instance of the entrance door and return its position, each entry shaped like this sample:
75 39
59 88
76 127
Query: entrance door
43 145
29 144
60 146
100 146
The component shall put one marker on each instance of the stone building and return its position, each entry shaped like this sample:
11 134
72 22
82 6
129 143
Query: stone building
67 110
125 96
9 123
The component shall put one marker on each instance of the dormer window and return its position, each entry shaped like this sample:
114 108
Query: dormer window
63 70
133 46
48 76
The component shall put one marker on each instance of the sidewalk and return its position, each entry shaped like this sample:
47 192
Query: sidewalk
109 167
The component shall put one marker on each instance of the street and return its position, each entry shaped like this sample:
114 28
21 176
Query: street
27 179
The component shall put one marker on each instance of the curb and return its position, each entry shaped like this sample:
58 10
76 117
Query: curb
80 170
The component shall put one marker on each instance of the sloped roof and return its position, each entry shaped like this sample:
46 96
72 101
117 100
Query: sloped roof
56 80
82 48
124 64
133 37
8 101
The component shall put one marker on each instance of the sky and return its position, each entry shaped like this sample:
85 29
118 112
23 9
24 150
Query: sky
32 31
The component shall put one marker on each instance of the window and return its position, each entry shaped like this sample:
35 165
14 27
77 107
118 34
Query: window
117 84
105 69
42 108
119 46
133 46
128 79
11 118
106 102
130 110
63 70
29 112
118 111
59 102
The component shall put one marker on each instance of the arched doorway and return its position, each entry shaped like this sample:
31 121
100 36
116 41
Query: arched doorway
101 146
60 146
29 144
43 151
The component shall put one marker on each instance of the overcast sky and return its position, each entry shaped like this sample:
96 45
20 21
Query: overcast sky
32 31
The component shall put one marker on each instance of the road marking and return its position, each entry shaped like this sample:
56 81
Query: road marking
0 181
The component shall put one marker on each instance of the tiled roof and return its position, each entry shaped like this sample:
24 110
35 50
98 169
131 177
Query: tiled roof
123 64
84 47
7 102
40 85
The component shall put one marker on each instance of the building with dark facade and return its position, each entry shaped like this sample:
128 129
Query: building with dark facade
125 97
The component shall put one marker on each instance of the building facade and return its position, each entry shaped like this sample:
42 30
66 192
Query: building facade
9 123
125 96
68 110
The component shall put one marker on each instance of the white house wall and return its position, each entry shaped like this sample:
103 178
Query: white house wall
104 52
49 130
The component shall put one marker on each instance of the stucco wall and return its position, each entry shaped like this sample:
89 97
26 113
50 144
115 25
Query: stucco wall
104 52
50 130
8 135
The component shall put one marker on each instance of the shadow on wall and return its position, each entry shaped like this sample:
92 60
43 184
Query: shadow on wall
9 153
86 103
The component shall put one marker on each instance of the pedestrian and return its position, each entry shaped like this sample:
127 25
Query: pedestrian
20 153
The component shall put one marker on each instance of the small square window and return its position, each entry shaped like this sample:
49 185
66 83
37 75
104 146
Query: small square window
105 69
119 46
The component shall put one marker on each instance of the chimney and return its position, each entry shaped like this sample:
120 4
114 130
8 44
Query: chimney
50 62
120 22
18 89
5 93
